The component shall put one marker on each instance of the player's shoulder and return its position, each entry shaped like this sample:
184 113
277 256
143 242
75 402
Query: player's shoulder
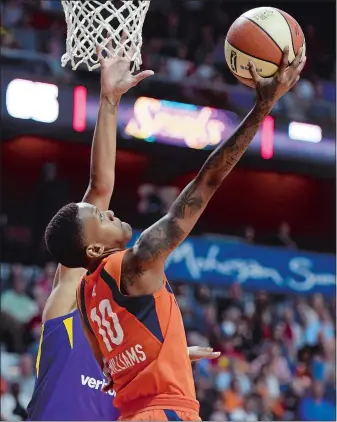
62 299
63 322
114 262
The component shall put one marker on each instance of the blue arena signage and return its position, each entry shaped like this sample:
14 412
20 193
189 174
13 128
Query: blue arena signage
277 270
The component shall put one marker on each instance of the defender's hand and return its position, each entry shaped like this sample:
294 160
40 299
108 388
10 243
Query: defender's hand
116 78
197 353
270 90
106 371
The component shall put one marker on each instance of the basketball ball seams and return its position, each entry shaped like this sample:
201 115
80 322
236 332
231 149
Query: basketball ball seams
268 35
253 40
298 40
291 32
253 57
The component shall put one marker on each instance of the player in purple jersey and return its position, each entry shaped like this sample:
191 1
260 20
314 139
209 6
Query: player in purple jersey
68 377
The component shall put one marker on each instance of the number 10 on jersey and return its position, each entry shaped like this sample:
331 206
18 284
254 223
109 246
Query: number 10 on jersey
103 316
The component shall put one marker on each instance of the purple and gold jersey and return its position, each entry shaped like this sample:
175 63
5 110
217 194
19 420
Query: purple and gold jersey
68 378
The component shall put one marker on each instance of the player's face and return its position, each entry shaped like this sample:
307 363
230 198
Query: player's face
103 231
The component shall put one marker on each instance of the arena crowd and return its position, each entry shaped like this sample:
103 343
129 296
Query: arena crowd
277 351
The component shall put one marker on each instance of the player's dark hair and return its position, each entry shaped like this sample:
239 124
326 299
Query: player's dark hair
64 237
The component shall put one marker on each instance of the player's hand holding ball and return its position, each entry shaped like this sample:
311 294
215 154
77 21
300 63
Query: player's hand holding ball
270 90
116 78
260 35
265 49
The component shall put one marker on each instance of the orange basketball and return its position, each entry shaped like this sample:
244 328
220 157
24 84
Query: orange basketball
260 35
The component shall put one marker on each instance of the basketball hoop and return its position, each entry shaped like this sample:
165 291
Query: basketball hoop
95 22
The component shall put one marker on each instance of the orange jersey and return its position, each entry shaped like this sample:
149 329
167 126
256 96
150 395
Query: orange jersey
143 339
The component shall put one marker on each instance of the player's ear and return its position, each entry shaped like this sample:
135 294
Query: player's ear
95 250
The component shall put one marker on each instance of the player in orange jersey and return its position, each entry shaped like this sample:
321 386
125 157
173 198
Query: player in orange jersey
128 309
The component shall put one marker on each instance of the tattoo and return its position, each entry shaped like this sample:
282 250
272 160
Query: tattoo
228 153
158 241
112 105
165 235
155 242
188 203
131 272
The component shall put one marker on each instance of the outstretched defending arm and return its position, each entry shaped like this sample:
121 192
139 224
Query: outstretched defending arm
116 79
144 263
103 155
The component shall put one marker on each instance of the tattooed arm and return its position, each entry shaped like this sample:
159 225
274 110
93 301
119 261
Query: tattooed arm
143 266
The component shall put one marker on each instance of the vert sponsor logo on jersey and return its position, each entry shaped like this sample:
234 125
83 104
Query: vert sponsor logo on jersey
95 384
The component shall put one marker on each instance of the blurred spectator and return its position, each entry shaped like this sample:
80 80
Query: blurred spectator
310 320
17 309
205 71
249 234
219 413
271 381
298 101
315 407
234 300
232 397
51 5
277 362
150 204
167 195
178 68
45 281
13 402
327 331
247 412
293 333
321 111
21 402
26 376
283 237
7 403
12 13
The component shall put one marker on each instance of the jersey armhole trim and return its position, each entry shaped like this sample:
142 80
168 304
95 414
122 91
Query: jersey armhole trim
82 306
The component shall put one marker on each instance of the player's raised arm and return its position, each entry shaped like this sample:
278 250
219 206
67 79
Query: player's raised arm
155 244
116 79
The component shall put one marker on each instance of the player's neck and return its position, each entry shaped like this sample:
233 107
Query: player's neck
96 262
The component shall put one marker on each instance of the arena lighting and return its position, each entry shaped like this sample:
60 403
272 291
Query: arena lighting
305 132
80 108
32 100
196 126
267 138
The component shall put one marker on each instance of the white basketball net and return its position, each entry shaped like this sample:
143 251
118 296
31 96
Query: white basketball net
94 22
